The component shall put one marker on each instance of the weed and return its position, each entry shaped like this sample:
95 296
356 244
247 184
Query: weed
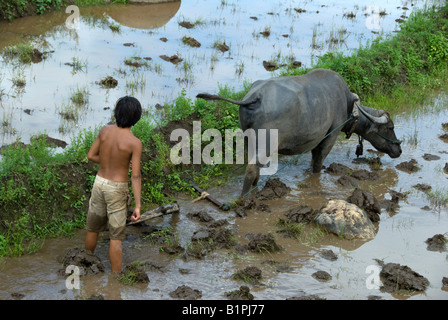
77 65
413 57
438 197
290 229
239 68
115 27
80 96
137 82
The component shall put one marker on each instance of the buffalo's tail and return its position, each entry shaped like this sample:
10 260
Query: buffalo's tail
207 96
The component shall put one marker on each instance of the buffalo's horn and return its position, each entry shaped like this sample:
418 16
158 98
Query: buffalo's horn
383 119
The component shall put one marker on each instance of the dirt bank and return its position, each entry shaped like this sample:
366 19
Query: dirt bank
12 9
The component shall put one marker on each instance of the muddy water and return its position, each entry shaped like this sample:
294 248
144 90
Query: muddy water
298 31
400 237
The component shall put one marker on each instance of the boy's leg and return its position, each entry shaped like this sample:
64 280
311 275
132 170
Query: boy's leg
115 255
91 241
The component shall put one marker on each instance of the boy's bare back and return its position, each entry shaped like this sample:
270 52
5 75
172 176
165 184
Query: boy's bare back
114 149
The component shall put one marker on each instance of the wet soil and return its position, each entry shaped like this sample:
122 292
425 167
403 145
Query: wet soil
396 277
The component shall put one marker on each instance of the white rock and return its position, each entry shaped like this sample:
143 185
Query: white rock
346 220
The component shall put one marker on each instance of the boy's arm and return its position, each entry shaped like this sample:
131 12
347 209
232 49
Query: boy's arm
136 179
94 152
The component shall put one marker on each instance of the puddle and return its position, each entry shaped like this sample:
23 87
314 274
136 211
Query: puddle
400 237
298 31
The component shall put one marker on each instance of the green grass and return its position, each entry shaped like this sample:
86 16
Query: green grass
11 9
397 71
22 52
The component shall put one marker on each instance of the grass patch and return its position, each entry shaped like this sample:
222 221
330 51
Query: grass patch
438 198
396 72
12 9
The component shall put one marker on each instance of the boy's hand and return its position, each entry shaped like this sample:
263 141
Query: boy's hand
135 215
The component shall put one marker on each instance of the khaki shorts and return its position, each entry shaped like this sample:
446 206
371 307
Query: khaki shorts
108 206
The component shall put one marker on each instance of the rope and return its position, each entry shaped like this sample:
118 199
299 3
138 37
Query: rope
202 196
205 194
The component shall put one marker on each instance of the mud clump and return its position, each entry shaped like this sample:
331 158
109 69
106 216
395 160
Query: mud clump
329 255
200 216
445 283
367 201
166 130
338 169
365 175
392 205
321 276
222 47
437 243
350 177
133 273
36 56
186 24
108 82
444 137
186 293
408 166
272 66
17 295
301 214
242 294
174 59
206 240
274 189
348 181
84 259
423 187
192 42
245 204
396 277
262 243
135 62
250 275
430 157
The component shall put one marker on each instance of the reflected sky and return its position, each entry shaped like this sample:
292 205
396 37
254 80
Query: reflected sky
298 31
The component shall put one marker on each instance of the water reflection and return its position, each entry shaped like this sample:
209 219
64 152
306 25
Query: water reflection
144 16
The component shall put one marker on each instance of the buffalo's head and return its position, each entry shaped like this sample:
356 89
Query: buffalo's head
378 129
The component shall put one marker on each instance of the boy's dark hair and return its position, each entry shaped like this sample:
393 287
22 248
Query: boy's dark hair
128 111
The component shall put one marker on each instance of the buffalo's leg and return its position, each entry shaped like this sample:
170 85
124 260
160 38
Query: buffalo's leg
321 152
250 179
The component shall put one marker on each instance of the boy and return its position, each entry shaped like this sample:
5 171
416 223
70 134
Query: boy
116 149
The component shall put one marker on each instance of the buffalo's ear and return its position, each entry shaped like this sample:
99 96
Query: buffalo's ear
372 129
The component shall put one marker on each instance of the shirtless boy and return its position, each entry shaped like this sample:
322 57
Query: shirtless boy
115 149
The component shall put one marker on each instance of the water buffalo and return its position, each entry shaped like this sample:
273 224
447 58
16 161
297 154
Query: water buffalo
309 111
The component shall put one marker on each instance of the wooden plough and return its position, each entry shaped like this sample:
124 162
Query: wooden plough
157 212
206 195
